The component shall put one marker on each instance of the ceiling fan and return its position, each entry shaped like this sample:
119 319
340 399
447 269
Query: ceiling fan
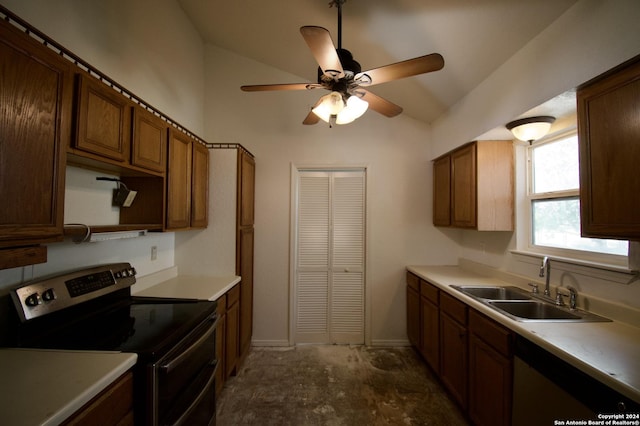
340 74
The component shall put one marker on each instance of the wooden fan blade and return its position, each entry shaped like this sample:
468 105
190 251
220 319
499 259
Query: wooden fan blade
269 87
311 118
408 68
380 105
319 41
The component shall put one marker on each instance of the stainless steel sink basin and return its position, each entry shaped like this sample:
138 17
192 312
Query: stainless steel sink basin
533 310
521 305
494 293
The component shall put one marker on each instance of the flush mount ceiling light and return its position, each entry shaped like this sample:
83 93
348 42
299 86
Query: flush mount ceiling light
530 129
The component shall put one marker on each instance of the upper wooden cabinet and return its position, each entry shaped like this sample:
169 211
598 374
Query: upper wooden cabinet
36 97
200 186
609 139
474 184
103 120
187 183
149 140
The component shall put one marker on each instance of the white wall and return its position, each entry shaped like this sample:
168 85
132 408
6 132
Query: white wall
147 46
396 152
590 38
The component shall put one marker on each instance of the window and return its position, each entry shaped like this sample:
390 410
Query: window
554 200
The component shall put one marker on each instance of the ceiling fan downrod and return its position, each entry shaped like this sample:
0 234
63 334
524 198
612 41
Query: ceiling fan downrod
338 4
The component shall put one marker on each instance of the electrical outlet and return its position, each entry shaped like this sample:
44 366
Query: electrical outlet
154 252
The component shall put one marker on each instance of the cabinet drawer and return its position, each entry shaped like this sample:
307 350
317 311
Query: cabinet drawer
429 291
492 333
454 308
413 281
233 295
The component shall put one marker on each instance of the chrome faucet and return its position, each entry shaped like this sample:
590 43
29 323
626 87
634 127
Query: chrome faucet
546 264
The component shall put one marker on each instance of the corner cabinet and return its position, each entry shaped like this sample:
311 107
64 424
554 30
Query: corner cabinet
35 127
609 139
473 187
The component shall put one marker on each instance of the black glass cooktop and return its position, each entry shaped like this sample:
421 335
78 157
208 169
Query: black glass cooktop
146 326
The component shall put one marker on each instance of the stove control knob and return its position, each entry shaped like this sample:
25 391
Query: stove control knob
48 295
33 300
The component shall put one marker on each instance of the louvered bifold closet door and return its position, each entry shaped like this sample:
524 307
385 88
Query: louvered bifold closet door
329 289
312 269
347 258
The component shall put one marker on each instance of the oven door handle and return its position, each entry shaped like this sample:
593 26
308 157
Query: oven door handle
187 352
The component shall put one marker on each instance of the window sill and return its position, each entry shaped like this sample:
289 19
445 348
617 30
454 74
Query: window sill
609 272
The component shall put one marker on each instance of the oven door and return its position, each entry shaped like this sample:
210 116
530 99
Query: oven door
183 381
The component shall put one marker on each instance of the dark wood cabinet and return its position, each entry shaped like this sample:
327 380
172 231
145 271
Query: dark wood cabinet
245 246
490 371
232 334
149 141
179 181
609 140
221 343
187 183
113 406
474 187
413 310
200 186
442 191
453 347
35 127
471 354
430 325
103 119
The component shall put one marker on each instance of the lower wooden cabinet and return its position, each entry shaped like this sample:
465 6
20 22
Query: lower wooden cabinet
490 371
453 347
471 354
429 327
113 406
232 331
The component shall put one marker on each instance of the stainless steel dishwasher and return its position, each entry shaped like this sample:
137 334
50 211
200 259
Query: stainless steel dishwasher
547 389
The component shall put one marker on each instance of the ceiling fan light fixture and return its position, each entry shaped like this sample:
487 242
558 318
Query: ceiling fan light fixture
331 104
354 109
531 128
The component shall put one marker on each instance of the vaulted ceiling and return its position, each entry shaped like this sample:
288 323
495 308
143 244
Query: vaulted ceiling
474 36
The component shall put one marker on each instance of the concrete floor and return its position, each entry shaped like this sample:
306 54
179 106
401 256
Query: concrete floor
335 385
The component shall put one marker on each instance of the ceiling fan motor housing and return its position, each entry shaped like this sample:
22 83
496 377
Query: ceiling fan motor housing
348 64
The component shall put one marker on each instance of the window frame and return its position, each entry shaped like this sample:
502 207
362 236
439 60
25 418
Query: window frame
530 196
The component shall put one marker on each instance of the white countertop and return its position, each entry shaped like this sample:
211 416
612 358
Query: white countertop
201 287
45 387
607 351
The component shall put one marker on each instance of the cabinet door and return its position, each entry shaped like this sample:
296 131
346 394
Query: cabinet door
463 187
430 329
442 191
490 384
221 341
609 138
179 181
232 332
103 120
246 185
149 141
36 97
453 363
200 187
246 289
413 310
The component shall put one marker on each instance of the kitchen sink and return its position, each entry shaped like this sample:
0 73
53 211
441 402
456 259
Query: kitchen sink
521 305
533 310
494 293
